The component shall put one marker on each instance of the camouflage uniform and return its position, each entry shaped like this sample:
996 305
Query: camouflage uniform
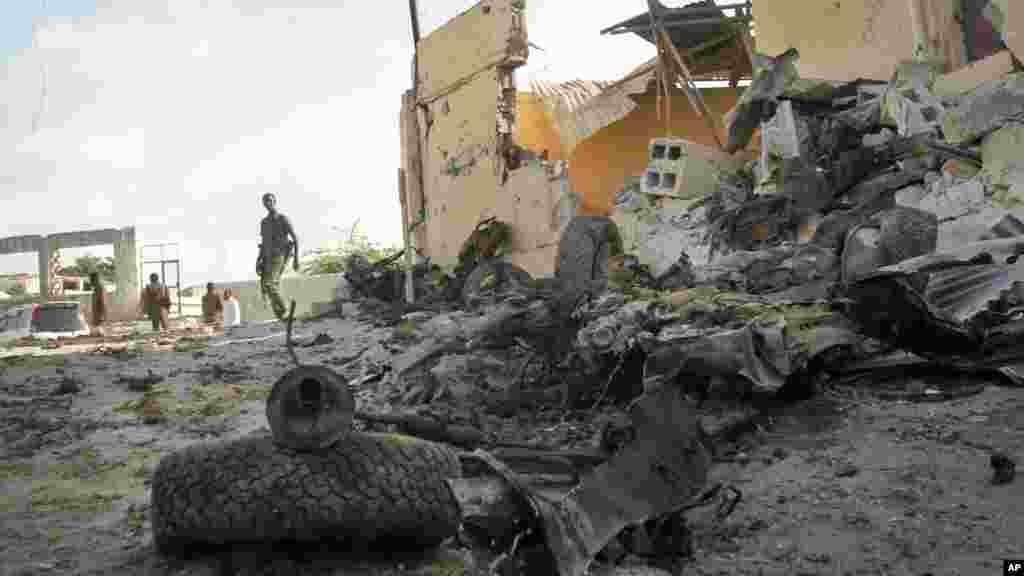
275 249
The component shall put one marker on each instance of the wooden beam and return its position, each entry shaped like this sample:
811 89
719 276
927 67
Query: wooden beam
692 92
662 75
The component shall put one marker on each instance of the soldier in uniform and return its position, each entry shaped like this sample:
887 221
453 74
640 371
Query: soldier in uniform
156 303
277 243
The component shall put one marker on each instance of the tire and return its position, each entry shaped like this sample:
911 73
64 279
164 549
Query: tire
367 488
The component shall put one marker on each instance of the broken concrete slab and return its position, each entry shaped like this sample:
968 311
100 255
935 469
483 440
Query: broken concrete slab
909 103
984 110
949 202
758 101
1001 153
973 75
910 196
657 230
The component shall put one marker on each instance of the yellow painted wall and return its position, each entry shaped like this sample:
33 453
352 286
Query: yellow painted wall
600 164
479 38
837 39
534 129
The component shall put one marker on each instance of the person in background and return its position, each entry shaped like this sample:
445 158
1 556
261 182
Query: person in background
99 302
156 302
213 308
232 311
277 244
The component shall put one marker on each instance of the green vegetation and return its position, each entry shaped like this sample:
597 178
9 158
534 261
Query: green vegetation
86 484
406 329
256 392
212 400
34 361
87 264
335 261
191 343
15 470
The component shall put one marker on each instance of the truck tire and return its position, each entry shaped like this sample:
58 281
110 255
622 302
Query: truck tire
366 488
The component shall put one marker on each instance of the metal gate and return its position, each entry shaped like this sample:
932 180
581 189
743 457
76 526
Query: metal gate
163 262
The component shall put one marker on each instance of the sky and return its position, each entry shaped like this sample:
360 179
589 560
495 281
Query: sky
175 116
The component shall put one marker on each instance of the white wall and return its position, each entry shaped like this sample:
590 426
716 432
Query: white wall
311 293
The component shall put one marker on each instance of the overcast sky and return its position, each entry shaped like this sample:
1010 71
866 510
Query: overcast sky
174 116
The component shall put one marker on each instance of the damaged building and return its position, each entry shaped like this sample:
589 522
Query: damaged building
650 149
476 145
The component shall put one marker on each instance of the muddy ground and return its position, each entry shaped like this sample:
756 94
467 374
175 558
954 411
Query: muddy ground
834 485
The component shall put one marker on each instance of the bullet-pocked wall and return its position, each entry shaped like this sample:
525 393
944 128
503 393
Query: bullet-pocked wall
599 165
463 68
851 39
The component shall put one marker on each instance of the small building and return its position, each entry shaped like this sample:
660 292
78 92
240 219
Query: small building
475 145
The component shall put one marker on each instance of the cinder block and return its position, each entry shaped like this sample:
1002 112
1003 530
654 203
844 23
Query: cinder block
684 169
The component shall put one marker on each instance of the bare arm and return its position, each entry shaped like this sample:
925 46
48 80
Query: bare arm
295 242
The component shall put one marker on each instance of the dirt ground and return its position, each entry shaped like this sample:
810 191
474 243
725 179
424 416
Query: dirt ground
833 485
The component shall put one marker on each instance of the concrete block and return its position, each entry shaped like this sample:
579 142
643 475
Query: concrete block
1002 153
950 202
973 75
984 110
684 169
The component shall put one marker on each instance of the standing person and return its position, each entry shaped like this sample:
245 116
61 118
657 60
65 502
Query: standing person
232 311
99 302
213 308
156 302
277 243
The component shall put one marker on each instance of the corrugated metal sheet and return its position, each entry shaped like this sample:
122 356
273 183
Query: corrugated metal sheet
581 107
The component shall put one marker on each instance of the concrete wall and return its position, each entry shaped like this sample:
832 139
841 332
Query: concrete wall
463 105
599 165
127 260
841 40
311 294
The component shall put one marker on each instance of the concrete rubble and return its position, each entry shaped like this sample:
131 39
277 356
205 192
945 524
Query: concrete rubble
877 216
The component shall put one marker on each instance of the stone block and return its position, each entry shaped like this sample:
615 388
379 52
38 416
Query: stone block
985 110
973 75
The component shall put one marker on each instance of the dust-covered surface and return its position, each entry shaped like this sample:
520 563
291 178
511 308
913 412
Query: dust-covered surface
831 485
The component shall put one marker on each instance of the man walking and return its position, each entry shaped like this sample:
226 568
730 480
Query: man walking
156 303
99 302
213 308
277 243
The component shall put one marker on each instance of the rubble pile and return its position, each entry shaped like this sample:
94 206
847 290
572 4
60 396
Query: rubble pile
842 242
